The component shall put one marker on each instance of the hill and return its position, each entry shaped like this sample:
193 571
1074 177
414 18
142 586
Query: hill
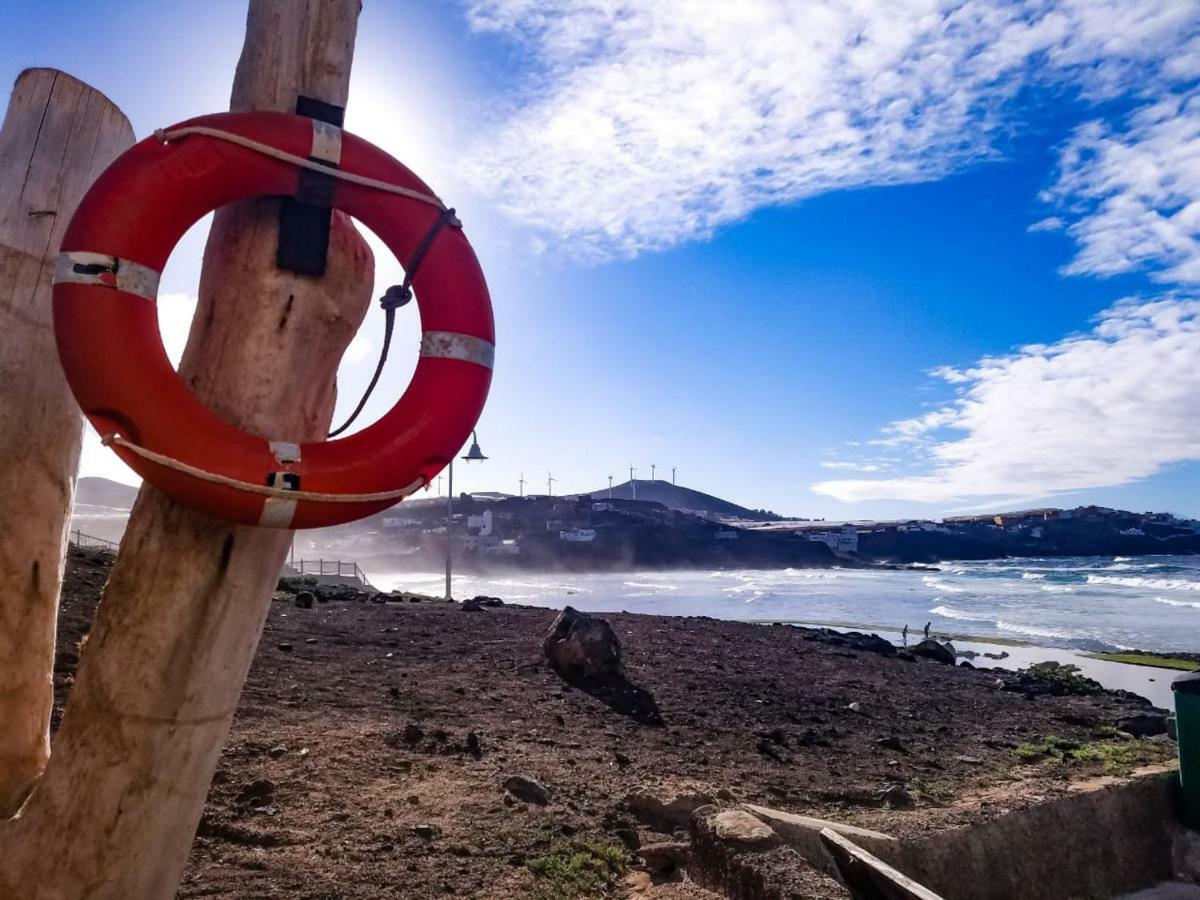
681 499
91 491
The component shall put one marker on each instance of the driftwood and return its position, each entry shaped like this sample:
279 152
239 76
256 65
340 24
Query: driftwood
867 876
159 679
58 135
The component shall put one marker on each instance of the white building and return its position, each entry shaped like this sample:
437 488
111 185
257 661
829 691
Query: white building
480 524
400 522
844 541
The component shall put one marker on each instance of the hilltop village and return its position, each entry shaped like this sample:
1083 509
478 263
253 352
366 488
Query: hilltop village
669 527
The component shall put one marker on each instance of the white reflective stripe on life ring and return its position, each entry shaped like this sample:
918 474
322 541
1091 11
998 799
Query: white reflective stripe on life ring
452 345
85 267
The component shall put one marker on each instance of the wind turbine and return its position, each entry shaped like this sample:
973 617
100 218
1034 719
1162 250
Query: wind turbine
672 474
651 471
521 484
610 486
632 482
439 485
550 479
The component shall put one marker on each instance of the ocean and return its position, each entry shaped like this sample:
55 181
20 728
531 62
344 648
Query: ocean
1152 603
1074 604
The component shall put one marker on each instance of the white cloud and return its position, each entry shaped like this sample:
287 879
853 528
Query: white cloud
650 122
1134 192
1107 407
852 466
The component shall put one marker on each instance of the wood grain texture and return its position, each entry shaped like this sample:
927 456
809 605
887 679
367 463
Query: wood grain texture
58 135
183 611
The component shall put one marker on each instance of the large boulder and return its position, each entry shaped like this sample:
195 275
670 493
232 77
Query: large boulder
931 649
582 646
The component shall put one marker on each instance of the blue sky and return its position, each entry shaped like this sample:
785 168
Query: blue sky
841 260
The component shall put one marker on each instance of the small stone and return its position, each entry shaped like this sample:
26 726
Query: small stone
473 746
257 794
286 648
428 832
770 750
892 743
413 734
277 751
310 640
527 789
896 797
304 600
855 707
622 759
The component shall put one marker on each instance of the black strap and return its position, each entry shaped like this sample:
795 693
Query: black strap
305 218
393 298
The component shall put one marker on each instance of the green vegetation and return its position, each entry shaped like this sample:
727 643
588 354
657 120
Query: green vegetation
940 791
1063 678
576 871
1118 757
1146 659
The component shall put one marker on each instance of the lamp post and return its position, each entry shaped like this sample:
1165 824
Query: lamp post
473 455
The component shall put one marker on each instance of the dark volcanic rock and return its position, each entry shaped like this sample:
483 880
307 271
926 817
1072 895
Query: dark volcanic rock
931 649
582 646
304 600
527 789
1144 724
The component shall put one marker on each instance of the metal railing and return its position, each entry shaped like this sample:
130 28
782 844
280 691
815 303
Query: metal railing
91 542
329 567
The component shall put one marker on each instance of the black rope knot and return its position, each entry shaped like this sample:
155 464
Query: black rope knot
395 297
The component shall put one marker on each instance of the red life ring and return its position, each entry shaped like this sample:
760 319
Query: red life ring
106 324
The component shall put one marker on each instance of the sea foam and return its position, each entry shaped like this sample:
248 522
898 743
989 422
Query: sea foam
1161 584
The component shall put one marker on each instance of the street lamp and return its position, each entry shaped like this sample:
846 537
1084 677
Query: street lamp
473 455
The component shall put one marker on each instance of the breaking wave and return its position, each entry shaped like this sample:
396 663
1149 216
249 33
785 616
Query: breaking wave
1161 584
949 612
938 585
1169 602
1033 576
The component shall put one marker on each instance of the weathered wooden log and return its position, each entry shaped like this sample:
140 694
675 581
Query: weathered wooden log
115 814
58 135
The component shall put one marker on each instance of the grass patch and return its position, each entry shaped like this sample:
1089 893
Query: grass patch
577 870
1118 757
1146 659
934 790
1063 678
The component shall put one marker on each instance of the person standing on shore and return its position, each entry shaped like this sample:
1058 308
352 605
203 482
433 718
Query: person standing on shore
905 634
927 624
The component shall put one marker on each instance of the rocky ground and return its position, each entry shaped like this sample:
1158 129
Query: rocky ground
418 749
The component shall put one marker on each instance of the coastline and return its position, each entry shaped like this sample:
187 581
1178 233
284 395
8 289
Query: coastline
1112 671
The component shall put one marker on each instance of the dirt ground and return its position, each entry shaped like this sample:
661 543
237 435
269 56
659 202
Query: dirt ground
372 742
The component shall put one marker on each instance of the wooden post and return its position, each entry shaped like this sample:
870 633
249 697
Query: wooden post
58 135
160 677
